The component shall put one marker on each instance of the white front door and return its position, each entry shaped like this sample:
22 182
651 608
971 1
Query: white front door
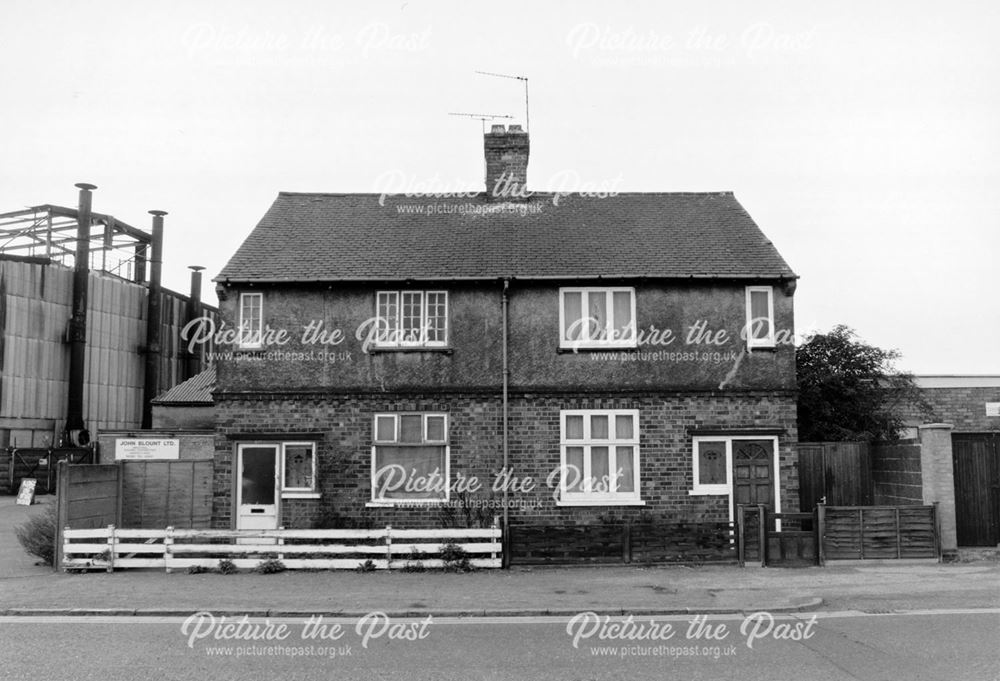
256 489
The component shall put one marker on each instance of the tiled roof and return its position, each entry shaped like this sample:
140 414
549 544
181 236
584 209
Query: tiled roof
196 390
337 237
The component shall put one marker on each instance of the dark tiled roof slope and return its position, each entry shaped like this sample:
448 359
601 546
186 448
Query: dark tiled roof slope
196 390
336 237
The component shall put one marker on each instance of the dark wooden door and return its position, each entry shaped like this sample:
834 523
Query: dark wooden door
976 458
753 472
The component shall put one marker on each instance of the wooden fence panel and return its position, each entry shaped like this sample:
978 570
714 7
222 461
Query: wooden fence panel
879 532
167 493
87 496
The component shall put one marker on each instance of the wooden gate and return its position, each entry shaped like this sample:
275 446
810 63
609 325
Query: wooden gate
976 459
776 539
836 473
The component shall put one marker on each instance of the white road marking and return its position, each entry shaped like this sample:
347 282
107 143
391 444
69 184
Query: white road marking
539 619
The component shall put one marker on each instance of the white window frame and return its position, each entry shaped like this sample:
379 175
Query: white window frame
395 326
608 342
699 489
243 342
298 492
722 488
567 498
767 342
382 501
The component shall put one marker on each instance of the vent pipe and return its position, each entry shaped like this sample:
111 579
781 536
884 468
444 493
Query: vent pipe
194 312
151 385
76 433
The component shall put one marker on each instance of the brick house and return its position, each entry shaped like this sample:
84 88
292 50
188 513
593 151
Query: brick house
545 358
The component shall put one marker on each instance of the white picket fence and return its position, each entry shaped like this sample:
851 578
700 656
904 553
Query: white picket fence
111 548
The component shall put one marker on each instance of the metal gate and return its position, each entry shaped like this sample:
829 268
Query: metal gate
976 459
40 464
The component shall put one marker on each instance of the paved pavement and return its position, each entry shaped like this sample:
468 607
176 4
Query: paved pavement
27 588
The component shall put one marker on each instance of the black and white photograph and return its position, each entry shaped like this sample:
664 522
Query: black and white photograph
438 340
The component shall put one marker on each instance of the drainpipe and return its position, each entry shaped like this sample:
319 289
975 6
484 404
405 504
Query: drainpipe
76 432
193 312
152 379
506 450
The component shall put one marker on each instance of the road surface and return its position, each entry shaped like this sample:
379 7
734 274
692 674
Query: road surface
934 645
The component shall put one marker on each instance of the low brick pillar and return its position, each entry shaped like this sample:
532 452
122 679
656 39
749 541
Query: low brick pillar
937 473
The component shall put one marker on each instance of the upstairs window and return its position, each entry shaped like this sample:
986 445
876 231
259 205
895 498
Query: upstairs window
411 319
760 317
251 320
597 318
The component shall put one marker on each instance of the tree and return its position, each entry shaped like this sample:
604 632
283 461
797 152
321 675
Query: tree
850 390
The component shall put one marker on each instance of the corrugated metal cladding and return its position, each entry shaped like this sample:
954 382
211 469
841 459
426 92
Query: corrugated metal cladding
34 357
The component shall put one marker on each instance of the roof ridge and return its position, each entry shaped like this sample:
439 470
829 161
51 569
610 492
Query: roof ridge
721 192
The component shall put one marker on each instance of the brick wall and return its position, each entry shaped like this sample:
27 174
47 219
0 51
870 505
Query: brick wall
896 474
964 408
344 450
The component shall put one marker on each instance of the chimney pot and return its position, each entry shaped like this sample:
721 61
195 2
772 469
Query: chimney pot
497 128
515 128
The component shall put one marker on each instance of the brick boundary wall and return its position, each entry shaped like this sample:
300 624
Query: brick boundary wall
896 473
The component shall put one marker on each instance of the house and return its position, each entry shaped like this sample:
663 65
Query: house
546 358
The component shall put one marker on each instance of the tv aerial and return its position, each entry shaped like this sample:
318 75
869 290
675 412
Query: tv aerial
483 117
523 79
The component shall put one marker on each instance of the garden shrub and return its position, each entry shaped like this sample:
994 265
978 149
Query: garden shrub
38 535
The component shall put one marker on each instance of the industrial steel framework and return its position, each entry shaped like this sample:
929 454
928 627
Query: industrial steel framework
50 233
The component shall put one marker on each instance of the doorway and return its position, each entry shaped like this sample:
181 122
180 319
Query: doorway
256 487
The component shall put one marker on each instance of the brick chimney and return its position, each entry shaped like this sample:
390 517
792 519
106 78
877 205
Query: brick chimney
506 162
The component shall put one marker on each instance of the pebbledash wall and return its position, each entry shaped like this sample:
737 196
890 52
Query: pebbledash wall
333 403
342 426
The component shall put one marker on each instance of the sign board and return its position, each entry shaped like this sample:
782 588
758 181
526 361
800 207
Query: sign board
131 449
993 408
26 493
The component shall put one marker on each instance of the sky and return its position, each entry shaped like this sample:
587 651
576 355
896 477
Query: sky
862 137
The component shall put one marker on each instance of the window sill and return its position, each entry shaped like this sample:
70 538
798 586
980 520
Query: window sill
405 503
708 491
762 348
445 350
564 350
601 502
301 495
